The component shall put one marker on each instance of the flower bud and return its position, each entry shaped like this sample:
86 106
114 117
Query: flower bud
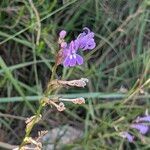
62 34
63 45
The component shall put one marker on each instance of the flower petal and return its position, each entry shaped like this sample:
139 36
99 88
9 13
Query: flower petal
79 59
127 136
86 29
146 118
72 61
143 129
90 45
76 45
66 62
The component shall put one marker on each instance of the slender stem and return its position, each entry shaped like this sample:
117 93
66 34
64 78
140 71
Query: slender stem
53 72
46 93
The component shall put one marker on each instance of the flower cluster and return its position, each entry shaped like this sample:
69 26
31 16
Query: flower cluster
140 124
70 51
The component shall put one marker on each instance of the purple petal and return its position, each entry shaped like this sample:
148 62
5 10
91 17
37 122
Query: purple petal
76 45
71 46
82 42
66 52
72 60
140 119
143 129
86 29
81 35
90 35
90 45
79 59
66 62
127 136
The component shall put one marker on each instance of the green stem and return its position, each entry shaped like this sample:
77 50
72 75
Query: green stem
46 93
53 72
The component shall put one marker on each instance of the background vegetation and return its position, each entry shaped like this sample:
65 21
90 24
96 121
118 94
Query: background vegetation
28 46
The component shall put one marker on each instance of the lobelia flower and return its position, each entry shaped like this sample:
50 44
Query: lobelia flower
86 39
72 58
128 136
143 129
140 125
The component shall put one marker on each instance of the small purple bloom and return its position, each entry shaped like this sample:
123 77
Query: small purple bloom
62 34
86 39
128 136
72 58
143 129
141 119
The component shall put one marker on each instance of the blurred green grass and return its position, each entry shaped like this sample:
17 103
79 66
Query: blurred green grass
121 58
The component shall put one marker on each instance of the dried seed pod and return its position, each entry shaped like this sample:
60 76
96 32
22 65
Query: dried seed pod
61 107
77 83
79 100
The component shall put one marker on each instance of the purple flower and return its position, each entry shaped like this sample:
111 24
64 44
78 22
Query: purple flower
128 136
143 129
71 56
86 39
141 119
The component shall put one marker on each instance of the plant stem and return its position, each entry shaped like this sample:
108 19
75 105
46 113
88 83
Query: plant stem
46 93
